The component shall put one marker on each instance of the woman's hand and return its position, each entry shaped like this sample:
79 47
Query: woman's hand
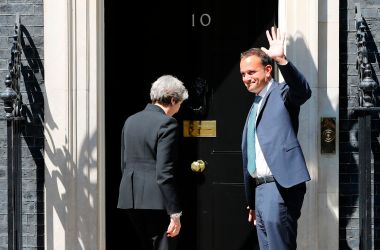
174 227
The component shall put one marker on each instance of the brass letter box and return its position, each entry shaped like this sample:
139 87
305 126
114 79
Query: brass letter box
199 128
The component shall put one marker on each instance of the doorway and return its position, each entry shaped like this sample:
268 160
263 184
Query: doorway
199 42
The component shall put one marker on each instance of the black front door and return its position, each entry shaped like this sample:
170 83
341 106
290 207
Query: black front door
199 42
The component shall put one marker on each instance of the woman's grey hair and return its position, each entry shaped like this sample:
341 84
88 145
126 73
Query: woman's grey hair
167 87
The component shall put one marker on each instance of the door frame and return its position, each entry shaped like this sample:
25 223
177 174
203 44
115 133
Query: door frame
74 183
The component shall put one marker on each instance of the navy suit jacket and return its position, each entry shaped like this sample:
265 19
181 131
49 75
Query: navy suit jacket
148 160
276 128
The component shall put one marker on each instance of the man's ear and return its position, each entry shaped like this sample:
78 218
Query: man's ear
268 70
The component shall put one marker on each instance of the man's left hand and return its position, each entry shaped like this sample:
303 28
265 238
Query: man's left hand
251 216
276 46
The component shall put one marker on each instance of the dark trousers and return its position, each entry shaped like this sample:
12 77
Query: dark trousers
277 212
151 227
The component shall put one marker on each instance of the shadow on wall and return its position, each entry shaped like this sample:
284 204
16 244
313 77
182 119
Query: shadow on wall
71 187
65 197
32 71
349 136
374 59
309 124
61 182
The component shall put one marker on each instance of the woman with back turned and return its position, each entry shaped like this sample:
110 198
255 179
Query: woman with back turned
148 190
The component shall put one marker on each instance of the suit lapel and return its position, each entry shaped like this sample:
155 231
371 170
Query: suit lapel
265 99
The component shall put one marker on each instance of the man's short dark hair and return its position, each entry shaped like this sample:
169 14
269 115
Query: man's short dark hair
265 59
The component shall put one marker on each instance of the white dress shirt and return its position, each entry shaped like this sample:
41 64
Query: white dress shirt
262 168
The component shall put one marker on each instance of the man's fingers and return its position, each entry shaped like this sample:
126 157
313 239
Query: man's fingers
274 35
268 36
265 50
279 34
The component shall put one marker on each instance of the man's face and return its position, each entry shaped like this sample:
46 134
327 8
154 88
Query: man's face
254 74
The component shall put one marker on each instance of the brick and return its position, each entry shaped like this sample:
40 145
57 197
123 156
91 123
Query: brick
17 8
38 9
32 20
25 1
7 20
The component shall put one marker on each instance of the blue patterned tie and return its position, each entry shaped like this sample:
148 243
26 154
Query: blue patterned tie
251 151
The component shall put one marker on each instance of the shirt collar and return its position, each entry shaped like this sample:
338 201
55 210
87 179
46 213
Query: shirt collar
265 89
